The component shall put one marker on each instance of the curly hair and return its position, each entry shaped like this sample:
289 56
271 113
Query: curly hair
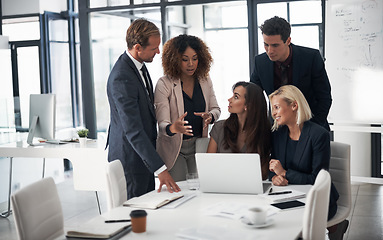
139 32
172 56
276 26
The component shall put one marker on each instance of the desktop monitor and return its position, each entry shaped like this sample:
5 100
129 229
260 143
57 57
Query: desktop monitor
42 117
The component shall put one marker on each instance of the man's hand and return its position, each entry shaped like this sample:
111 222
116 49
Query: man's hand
206 116
166 179
179 126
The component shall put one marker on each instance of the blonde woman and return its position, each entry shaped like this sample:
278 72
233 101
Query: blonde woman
300 148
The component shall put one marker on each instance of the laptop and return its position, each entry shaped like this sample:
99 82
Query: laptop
230 173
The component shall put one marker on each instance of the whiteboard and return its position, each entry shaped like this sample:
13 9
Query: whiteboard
354 60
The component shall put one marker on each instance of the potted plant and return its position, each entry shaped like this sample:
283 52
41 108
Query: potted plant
82 134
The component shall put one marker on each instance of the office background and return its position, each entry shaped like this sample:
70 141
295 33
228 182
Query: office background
69 47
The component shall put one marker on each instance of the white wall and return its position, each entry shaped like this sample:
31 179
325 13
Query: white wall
18 7
360 151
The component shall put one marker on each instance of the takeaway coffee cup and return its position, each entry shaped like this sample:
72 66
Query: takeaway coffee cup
138 220
257 215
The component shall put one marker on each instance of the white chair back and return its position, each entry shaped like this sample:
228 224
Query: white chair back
316 209
201 145
116 193
37 211
340 176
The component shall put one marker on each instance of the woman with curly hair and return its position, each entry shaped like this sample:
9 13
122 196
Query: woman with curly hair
247 130
185 103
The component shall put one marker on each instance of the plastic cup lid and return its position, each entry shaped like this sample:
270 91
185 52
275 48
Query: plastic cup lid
138 213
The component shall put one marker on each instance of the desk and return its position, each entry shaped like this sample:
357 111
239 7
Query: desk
88 162
166 223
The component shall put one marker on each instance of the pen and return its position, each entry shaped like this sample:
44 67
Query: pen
278 193
117 221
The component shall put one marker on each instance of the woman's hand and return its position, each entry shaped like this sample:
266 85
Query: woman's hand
179 126
276 167
278 180
206 116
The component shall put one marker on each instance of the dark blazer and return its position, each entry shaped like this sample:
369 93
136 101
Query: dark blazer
132 131
312 154
309 75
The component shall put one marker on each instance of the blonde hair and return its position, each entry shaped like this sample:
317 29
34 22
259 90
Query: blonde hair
291 94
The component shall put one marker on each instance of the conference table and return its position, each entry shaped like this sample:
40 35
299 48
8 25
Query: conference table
197 218
89 161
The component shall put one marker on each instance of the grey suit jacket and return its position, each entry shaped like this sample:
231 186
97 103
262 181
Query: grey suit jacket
309 75
170 106
132 131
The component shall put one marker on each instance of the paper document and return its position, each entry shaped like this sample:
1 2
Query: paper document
294 194
233 210
153 199
211 232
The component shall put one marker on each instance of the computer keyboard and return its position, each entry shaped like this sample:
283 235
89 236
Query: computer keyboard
55 141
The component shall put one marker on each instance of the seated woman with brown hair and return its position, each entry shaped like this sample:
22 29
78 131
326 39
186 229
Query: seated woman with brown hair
247 130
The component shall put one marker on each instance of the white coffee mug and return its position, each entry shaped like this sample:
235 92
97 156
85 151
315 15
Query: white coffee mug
257 215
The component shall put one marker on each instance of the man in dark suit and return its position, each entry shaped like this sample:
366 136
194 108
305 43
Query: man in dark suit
132 131
286 63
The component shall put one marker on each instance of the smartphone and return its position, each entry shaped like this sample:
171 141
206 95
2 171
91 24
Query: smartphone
288 204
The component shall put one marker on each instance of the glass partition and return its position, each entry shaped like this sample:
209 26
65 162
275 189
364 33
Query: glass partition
221 26
29 79
7 119
108 31
60 72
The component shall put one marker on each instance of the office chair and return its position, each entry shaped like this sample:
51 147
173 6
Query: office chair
37 211
116 193
316 210
340 175
201 145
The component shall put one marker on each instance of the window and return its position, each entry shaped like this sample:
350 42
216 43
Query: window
305 18
60 72
37 70
7 119
108 30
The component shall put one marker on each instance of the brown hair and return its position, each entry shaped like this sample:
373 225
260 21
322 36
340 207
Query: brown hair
276 26
172 56
257 125
139 32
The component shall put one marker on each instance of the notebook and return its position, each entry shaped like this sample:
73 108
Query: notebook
92 230
153 200
230 173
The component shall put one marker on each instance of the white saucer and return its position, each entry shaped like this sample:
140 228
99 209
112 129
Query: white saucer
247 223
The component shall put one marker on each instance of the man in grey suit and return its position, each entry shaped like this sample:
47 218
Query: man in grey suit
285 63
132 131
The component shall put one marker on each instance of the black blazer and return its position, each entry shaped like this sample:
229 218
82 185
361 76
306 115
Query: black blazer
132 131
309 75
312 154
